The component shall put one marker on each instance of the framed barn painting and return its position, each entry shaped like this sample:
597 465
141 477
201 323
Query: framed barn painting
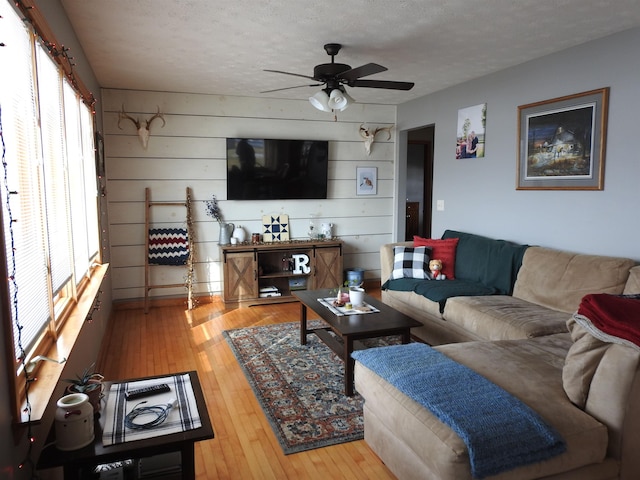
562 142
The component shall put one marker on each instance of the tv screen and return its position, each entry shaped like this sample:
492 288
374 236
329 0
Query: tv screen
269 169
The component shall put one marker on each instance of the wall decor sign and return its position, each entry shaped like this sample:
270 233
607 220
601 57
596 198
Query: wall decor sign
562 142
275 228
366 181
470 134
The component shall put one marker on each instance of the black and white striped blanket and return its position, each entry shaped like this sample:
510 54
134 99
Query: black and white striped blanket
183 417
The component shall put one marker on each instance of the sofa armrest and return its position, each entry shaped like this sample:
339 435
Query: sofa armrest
386 259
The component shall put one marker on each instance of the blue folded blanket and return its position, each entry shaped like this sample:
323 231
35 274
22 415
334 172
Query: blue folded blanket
500 432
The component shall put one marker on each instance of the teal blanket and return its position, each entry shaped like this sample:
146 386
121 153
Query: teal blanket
500 432
439 290
493 263
484 266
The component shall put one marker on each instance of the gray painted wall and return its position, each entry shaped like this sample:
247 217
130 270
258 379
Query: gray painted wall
480 194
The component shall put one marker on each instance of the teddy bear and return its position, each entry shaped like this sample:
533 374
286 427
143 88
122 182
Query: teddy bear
435 267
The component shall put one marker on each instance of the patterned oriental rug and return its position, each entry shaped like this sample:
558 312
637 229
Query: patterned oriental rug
300 387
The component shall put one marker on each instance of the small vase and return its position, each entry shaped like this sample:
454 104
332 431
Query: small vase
74 422
356 296
240 234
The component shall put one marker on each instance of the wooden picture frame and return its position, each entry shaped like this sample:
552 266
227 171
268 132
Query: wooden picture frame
366 180
561 142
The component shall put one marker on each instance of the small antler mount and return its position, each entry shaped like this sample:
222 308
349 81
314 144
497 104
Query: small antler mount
143 128
369 135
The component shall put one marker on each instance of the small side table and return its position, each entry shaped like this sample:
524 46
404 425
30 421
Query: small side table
77 462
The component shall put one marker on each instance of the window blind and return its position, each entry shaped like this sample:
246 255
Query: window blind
53 129
49 192
24 235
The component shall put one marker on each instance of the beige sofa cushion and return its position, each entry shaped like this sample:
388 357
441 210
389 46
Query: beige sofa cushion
604 379
581 363
502 317
558 280
633 282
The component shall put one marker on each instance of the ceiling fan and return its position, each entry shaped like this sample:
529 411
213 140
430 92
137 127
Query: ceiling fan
334 76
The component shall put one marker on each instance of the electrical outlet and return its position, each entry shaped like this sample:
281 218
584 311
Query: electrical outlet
440 205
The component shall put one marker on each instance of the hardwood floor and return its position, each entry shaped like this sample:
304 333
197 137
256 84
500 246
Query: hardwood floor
172 339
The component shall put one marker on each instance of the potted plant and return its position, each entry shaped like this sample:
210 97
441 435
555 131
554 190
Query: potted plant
89 383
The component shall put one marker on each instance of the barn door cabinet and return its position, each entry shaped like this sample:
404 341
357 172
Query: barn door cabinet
268 272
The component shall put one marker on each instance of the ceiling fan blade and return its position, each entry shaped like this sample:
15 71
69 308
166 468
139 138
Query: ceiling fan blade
288 88
294 74
382 84
362 71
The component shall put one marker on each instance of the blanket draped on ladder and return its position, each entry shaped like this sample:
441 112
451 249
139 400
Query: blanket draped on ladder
500 432
168 246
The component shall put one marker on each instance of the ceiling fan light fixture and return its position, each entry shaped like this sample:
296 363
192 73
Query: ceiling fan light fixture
338 100
350 100
320 101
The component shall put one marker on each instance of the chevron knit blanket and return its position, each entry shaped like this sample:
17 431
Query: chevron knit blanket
168 246
500 432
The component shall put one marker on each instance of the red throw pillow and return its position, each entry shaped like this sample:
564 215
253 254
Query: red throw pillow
443 249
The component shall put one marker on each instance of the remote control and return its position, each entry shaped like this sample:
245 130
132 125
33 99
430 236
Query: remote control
146 391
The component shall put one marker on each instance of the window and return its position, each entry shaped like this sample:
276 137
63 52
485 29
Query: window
49 189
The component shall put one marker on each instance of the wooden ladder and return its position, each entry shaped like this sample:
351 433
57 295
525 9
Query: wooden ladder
190 260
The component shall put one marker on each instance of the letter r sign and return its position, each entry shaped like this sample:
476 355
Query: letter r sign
301 263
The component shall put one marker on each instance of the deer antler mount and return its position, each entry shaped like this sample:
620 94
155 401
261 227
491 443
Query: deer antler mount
369 135
142 127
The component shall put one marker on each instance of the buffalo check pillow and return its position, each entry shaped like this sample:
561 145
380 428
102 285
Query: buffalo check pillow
410 262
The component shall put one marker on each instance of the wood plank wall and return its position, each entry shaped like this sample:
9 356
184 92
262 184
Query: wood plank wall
190 151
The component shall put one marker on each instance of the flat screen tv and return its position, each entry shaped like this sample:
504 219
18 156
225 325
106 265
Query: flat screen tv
269 169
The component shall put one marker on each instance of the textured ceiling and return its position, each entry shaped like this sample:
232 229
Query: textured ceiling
211 46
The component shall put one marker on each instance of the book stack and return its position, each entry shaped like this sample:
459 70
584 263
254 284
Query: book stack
270 291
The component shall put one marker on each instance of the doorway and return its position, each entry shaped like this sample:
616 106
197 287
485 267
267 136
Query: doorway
419 182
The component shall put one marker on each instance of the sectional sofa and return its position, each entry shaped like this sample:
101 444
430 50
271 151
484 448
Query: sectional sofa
521 334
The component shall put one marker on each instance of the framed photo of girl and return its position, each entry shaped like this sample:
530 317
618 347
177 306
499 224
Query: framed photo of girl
562 142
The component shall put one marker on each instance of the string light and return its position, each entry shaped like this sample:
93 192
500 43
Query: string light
189 278
60 54
28 380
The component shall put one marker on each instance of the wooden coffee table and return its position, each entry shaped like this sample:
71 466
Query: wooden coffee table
351 328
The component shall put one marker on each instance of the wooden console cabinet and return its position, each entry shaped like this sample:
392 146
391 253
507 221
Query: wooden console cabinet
269 272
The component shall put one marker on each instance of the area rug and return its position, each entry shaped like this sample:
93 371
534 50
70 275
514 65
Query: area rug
300 387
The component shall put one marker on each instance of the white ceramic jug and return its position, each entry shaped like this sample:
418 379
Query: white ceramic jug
74 422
